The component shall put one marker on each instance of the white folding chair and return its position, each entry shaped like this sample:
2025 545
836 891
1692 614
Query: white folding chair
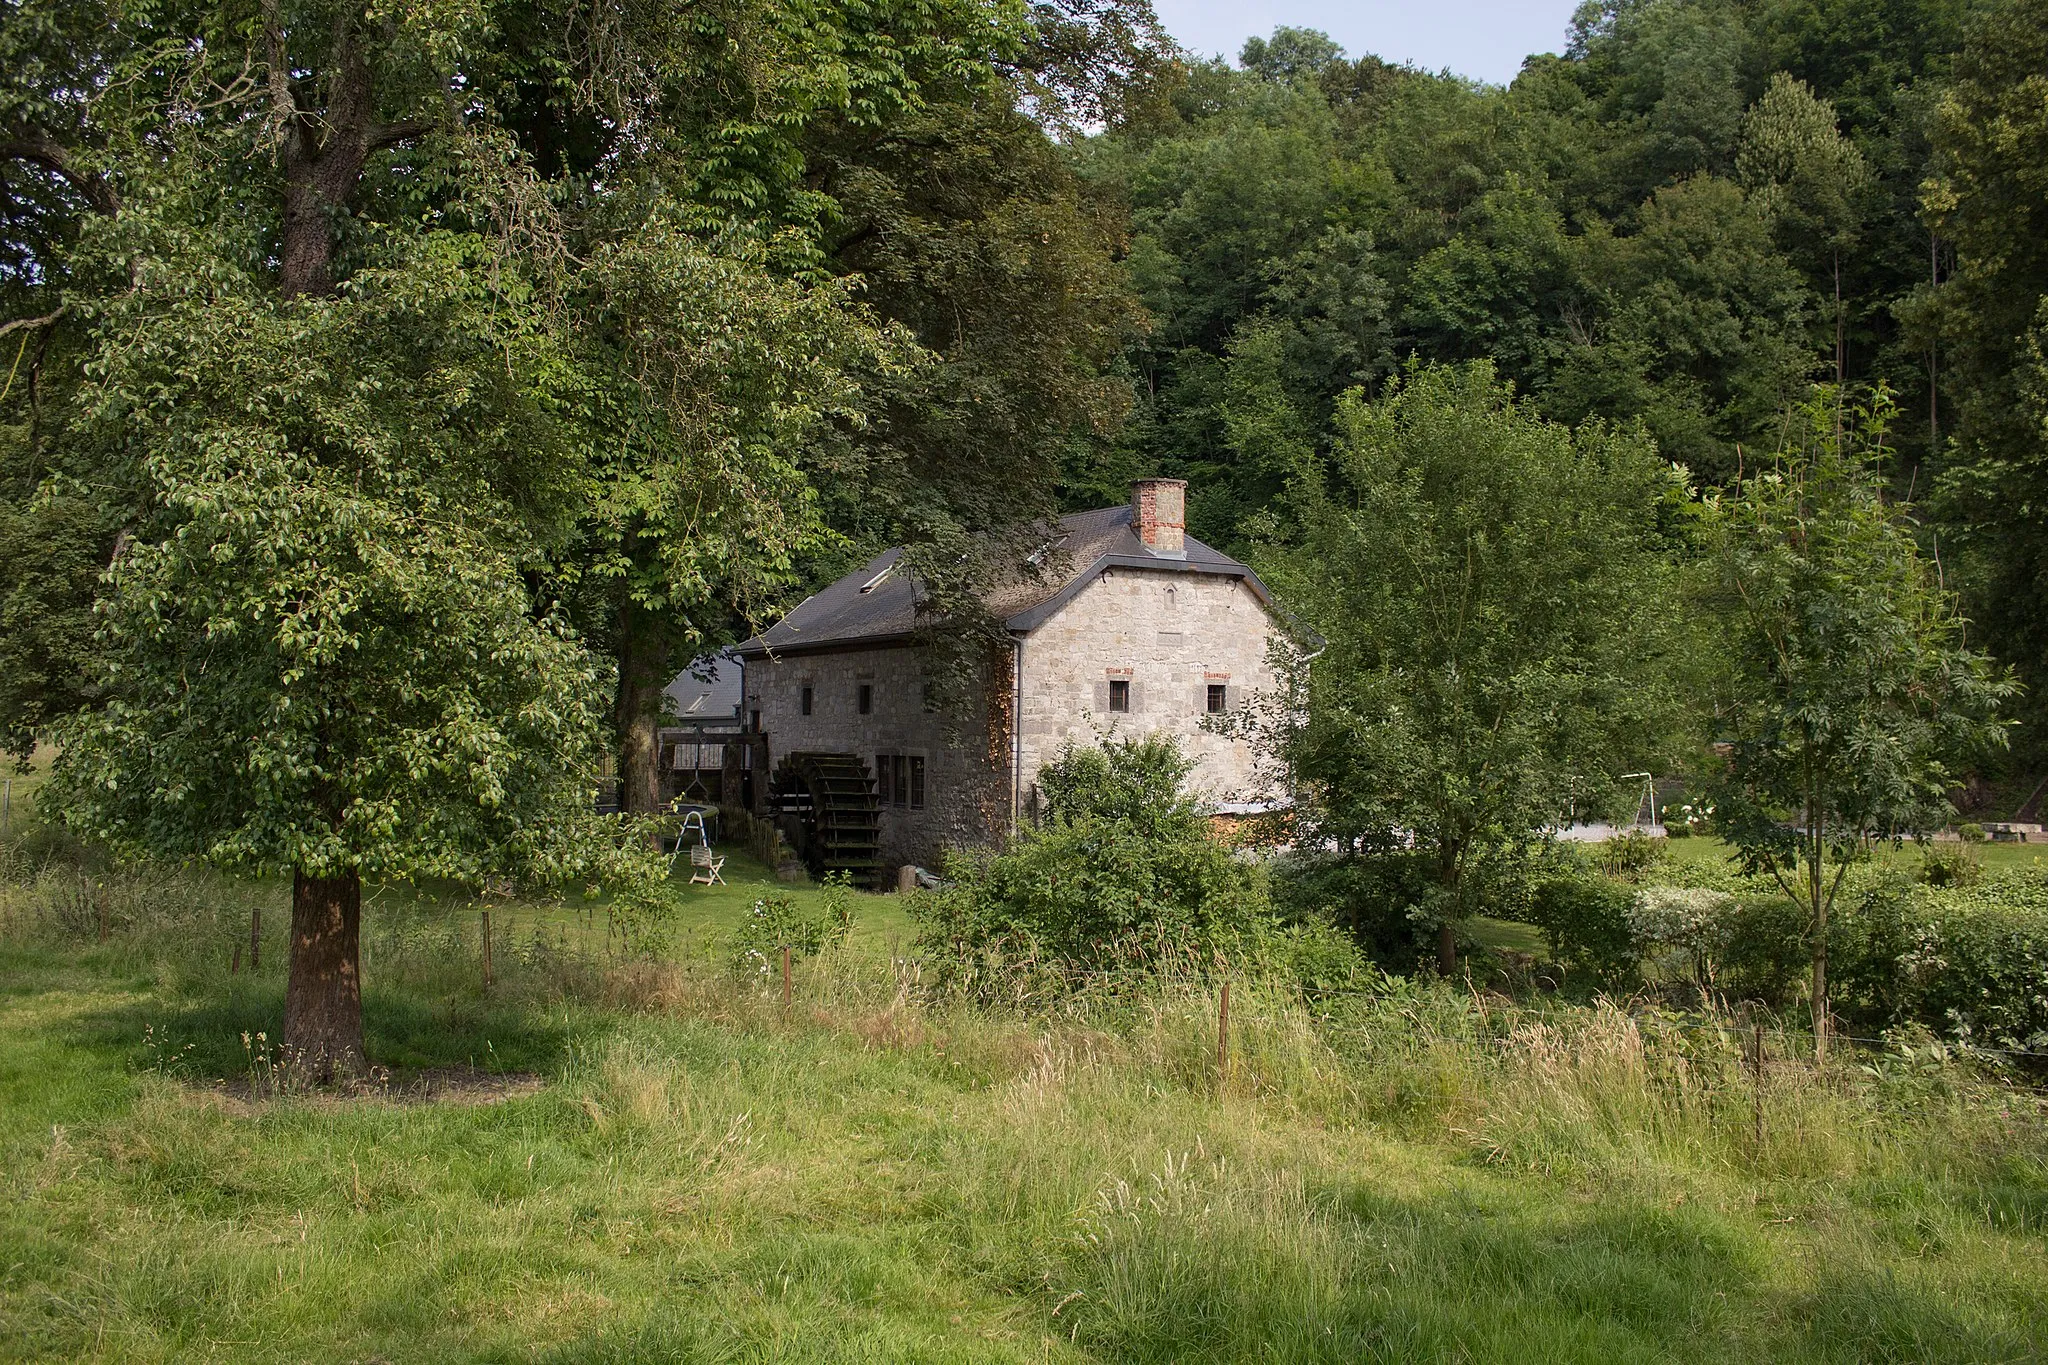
704 865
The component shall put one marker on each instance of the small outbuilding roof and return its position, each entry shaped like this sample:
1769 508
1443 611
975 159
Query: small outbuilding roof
709 689
876 605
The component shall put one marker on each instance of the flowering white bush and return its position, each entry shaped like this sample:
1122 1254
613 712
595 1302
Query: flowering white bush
1689 818
1692 921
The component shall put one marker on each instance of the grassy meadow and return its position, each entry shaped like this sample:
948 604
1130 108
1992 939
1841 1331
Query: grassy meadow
626 1151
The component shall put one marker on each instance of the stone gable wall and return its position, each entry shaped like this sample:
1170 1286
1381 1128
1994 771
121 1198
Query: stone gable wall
1170 635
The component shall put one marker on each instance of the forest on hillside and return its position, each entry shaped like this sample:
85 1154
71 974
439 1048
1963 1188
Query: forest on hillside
1689 217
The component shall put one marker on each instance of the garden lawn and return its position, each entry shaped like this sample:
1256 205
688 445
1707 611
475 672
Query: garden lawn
1994 856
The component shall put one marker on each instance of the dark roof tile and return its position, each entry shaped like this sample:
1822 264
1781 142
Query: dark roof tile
875 605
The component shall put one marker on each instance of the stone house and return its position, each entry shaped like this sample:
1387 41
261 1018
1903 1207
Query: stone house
1142 628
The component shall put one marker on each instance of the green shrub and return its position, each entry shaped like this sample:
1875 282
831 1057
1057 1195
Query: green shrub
1763 953
1949 865
1375 900
1631 855
1096 894
775 922
1966 962
1123 874
1139 783
1691 924
1745 945
1317 954
1585 918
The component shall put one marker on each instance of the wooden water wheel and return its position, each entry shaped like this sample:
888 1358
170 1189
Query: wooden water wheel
827 809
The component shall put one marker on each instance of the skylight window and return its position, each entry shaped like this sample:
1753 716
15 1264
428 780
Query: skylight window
1037 556
876 581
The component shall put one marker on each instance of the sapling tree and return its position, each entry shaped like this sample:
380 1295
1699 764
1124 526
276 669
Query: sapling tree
1493 590
1851 691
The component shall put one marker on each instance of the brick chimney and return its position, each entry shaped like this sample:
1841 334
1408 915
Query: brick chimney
1159 514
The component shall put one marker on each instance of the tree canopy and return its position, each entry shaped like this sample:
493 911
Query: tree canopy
392 383
1493 589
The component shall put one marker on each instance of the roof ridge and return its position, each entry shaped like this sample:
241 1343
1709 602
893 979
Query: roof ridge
865 606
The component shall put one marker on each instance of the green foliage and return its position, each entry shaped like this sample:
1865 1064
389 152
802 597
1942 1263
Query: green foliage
1136 782
317 650
1677 221
1379 900
1631 856
1955 865
775 922
1585 918
1989 317
1967 962
1852 690
1122 874
1488 585
1691 924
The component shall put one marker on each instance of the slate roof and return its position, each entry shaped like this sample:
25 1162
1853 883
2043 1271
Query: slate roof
874 605
709 689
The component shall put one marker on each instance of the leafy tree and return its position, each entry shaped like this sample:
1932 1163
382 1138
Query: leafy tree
1991 135
1851 691
1491 587
397 402
317 654
1812 180
966 227
1289 53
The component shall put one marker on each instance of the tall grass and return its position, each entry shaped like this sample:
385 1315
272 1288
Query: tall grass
883 1170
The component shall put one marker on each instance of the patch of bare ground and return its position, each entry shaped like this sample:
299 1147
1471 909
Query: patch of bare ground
455 1085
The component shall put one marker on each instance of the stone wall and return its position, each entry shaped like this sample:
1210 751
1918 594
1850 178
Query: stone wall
966 796
1169 635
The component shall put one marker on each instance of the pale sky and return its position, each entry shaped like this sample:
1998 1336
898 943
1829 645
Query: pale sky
1483 39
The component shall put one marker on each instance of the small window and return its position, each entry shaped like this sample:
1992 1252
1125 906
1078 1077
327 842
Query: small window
867 699
1219 699
804 701
756 723
1119 694
899 781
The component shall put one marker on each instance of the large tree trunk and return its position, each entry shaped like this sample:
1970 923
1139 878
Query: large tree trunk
643 673
323 151
323 1000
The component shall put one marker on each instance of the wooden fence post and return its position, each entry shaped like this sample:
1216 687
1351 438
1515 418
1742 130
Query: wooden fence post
255 937
1757 1086
487 949
785 976
1223 1031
